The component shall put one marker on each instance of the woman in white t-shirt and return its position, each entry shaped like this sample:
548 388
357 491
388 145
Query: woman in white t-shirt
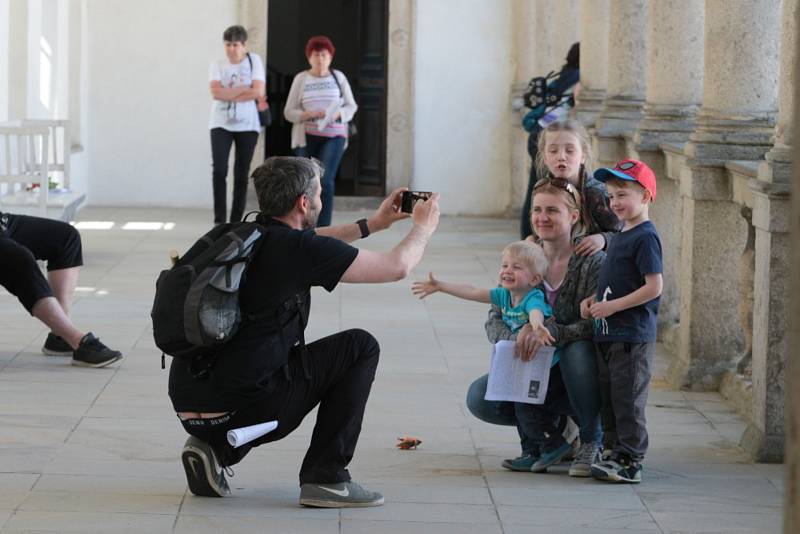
315 93
236 83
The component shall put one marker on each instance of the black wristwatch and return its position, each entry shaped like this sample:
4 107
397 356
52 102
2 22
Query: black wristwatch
362 224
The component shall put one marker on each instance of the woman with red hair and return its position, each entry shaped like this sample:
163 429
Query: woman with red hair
320 104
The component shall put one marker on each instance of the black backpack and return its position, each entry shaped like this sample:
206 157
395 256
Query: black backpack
196 306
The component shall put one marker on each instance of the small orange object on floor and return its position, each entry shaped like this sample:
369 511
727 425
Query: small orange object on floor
408 442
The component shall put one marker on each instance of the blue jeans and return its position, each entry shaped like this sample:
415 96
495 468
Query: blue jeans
329 151
531 420
579 370
578 363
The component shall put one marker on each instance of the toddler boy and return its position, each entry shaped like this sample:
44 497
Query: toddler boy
520 301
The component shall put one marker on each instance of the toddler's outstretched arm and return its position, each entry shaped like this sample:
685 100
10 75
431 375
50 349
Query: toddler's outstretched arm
462 291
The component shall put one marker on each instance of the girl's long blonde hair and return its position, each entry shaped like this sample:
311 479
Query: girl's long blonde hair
578 130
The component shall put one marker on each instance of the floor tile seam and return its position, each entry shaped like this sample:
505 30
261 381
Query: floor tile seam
648 509
180 508
81 418
486 483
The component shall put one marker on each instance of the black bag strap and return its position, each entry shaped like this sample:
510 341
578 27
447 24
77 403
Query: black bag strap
336 79
251 76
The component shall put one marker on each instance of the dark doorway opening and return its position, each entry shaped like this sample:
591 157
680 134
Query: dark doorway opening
358 29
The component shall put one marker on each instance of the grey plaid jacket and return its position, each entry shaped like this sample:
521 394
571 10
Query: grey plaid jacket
566 324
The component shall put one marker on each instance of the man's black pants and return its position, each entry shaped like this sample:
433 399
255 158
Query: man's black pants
341 368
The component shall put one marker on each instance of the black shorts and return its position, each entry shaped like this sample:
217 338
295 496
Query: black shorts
23 240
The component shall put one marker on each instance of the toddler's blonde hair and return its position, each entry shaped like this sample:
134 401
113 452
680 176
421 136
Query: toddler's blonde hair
529 253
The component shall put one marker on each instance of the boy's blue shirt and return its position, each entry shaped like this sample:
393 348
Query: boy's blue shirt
631 255
515 317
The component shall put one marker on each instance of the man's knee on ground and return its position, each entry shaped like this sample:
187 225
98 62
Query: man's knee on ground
368 345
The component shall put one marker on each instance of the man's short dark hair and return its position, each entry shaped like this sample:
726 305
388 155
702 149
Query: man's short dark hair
235 34
281 179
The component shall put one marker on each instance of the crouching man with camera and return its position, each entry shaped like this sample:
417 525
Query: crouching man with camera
266 372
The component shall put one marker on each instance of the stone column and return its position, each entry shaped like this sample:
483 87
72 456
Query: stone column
524 27
673 96
568 28
791 502
764 437
400 99
627 61
544 37
594 25
735 123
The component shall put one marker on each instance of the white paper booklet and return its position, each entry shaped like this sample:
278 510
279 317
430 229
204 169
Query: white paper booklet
330 111
239 436
511 379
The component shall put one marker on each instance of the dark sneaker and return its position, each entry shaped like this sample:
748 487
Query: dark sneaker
620 469
550 458
56 346
204 474
92 353
587 455
520 463
341 495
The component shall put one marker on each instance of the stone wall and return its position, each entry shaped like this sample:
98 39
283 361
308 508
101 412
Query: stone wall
675 85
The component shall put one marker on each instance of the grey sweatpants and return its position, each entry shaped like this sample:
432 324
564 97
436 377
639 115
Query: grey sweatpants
624 370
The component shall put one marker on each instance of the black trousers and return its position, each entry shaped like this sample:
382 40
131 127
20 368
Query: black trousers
23 240
341 369
624 371
245 144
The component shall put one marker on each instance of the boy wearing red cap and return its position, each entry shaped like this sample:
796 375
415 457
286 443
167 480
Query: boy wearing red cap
625 310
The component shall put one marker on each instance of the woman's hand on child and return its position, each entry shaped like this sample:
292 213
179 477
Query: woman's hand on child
590 245
423 289
530 340
585 305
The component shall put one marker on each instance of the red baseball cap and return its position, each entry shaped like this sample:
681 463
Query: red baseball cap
632 170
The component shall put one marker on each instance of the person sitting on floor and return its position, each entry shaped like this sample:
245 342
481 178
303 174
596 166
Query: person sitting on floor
23 240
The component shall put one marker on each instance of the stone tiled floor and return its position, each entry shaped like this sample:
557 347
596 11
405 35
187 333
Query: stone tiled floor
97 450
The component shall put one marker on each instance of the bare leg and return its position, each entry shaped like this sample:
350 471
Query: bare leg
50 312
63 283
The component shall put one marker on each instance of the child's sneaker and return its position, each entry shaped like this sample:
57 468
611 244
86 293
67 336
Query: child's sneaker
620 468
586 457
550 458
520 463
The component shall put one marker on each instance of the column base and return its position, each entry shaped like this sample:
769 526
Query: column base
590 104
664 124
620 116
762 448
720 137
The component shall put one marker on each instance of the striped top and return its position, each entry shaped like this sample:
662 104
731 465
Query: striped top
318 94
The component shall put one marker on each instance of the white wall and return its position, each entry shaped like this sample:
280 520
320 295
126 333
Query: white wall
4 58
463 78
148 100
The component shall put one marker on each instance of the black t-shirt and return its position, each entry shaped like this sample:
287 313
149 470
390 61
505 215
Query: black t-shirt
288 263
631 255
